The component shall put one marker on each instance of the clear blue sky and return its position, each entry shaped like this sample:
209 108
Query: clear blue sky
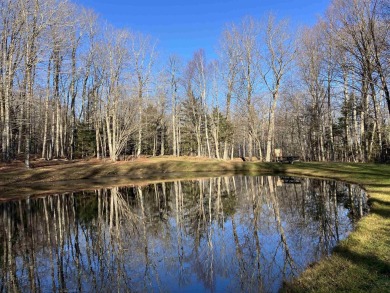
182 27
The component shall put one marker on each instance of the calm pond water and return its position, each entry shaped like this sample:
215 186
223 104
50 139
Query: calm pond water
226 234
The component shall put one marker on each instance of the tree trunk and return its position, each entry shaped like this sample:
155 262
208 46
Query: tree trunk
20 127
330 121
46 119
207 134
271 126
347 106
29 95
355 129
73 93
228 102
97 138
377 123
57 65
53 131
139 143
162 150
364 121
6 115
250 145
174 139
108 119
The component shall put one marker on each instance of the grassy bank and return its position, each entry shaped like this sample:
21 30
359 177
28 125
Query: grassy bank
49 177
361 263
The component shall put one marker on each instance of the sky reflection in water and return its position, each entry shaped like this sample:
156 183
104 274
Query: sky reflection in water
225 234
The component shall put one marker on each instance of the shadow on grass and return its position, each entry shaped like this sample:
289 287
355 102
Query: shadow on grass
379 207
381 172
372 275
370 262
379 202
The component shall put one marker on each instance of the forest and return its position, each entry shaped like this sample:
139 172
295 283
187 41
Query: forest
73 86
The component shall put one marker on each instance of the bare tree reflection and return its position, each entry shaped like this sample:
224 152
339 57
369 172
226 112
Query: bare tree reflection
218 234
289 266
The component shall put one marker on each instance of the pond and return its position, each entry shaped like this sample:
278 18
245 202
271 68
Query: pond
224 234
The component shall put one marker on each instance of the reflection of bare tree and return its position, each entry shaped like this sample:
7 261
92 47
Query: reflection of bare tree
240 258
30 248
289 266
49 243
178 193
335 210
222 234
256 208
203 245
144 235
325 205
58 227
8 265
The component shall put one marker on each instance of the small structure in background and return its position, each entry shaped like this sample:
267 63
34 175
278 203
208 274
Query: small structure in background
278 155
287 159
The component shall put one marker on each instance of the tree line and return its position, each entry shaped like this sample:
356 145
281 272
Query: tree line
73 86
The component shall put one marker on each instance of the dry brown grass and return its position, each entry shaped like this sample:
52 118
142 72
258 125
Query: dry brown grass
61 176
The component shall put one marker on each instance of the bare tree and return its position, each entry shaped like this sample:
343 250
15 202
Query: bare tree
355 28
174 74
11 28
250 64
142 61
119 109
36 16
311 65
230 60
200 89
277 58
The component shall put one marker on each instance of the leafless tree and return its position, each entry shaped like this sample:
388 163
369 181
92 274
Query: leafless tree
230 63
277 57
174 75
142 50
249 71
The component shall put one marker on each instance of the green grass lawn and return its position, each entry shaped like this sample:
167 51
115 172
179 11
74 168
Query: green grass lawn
360 263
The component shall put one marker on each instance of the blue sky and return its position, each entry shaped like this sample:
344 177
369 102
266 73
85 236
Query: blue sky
182 27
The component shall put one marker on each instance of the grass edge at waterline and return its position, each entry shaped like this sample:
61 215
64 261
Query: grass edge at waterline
361 262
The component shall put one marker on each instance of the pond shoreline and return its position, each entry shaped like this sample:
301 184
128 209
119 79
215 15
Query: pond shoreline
46 177
360 263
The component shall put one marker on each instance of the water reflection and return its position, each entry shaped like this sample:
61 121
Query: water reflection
219 234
